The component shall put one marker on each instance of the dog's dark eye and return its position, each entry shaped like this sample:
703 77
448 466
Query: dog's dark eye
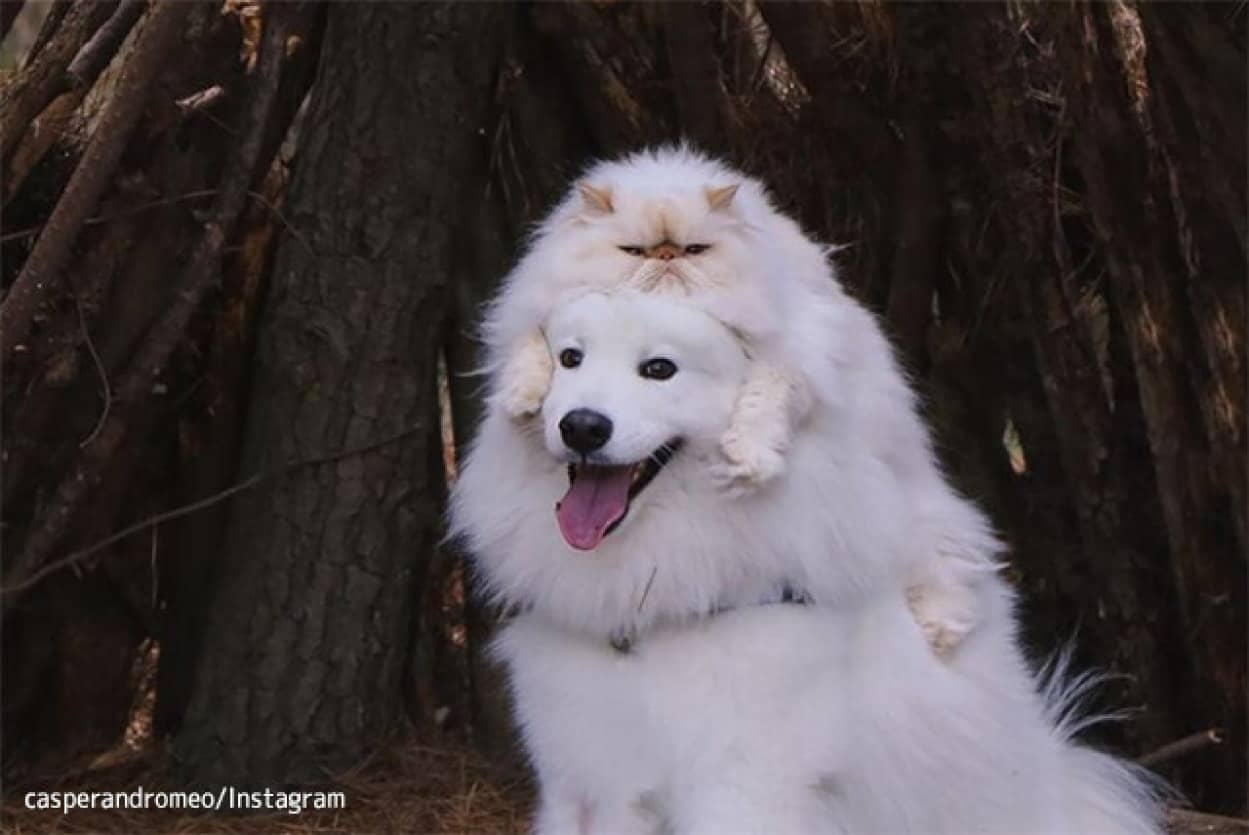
696 249
632 250
657 369
570 357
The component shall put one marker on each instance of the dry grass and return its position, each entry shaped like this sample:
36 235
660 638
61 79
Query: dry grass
409 788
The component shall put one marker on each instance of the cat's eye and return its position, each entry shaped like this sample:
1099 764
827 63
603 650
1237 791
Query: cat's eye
657 369
696 249
632 250
570 357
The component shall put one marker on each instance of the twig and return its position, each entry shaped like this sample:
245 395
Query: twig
1182 747
199 275
202 100
98 219
169 201
78 556
42 273
153 552
1188 822
94 57
99 367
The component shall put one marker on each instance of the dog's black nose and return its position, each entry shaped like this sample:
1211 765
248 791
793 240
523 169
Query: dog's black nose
585 430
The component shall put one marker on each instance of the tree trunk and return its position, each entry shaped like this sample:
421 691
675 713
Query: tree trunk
313 611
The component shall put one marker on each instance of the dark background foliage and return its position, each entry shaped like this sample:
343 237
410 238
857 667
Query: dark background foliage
243 247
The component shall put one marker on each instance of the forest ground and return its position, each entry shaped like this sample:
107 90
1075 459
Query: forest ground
410 786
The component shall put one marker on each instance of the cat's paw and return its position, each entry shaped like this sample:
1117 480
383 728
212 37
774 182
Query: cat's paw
946 614
522 399
730 480
747 464
526 380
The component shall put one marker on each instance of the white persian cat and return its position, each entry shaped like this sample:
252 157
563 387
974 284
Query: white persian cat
672 220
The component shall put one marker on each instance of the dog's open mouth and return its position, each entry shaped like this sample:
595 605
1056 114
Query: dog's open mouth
598 496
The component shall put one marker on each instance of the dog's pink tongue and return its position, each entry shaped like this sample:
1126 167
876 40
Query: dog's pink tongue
598 497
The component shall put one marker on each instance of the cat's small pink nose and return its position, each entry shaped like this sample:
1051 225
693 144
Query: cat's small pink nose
665 252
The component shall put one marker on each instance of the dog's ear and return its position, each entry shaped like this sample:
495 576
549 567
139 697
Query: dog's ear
596 199
721 198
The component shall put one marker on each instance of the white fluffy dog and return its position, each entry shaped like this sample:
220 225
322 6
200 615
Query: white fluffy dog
721 665
675 222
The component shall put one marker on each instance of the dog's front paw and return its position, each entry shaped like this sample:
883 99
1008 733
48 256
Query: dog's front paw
946 615
747 465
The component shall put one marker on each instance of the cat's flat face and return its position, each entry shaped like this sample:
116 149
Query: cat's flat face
685 237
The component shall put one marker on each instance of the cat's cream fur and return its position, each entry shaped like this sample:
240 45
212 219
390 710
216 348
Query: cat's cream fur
612 212
776 288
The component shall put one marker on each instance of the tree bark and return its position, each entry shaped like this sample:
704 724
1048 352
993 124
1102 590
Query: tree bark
1152 259
26 93
42 273
210 437
312 614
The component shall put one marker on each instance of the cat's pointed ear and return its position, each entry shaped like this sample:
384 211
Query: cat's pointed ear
597 199
721 198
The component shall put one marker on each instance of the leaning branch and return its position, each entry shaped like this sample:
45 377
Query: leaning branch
29 91
41 274
82 73
1182 747
8 591
199 276
94 57
8 14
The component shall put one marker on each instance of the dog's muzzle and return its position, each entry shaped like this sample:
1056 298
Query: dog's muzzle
599 495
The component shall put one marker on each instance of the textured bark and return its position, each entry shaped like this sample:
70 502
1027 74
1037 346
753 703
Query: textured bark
1123 573
26 93
42 273
8 13
690 50
611 59
1147 251
210 436
311 618
122 277
200 274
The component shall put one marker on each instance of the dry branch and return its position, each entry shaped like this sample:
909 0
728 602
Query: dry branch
803 33
29 92
94 57
82 73
41 274
73 559
51 526
8 13
1181 747
1185 822
48 29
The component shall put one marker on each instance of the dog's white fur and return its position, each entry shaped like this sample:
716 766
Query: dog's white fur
811 347
733 712
757 275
